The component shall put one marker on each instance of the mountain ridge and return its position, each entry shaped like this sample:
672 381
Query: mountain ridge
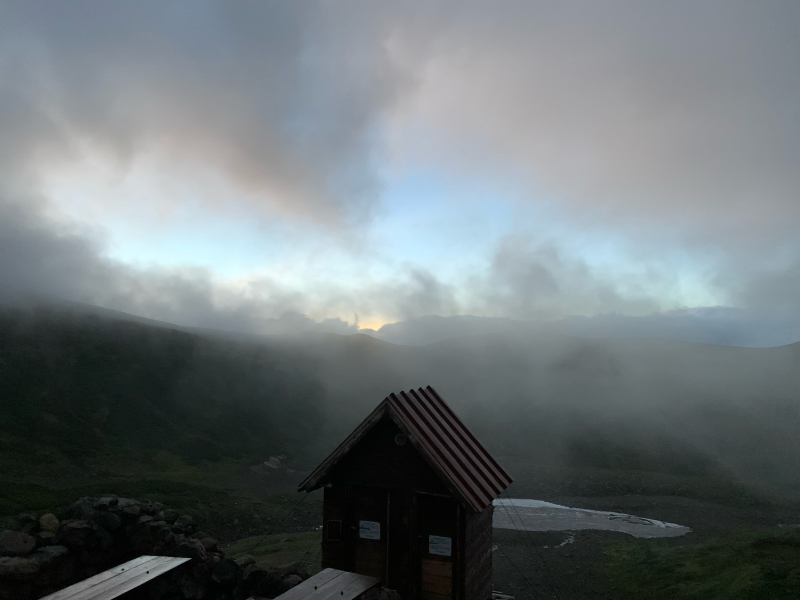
80 385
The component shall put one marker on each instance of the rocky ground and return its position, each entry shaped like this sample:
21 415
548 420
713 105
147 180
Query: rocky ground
48 552
239 503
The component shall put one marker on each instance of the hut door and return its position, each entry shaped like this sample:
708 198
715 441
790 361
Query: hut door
437 546
370 531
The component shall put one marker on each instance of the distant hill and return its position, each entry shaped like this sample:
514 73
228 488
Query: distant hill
645 403
86 383
77 383
706 325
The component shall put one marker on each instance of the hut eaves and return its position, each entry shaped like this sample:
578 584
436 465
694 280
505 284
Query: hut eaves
465 466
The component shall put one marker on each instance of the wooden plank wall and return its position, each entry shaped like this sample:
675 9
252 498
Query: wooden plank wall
437 579
378 461
478 555
334 512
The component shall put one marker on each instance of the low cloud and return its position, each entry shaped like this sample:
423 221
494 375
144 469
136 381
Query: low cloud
280 98
44 259
674 127
527 280
627 113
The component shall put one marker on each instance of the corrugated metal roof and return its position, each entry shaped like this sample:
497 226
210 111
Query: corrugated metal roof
444 441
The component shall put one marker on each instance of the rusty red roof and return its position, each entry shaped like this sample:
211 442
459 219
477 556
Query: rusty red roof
471 473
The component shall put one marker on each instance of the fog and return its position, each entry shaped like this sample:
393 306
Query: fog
654 149
647 403
228 230
578 223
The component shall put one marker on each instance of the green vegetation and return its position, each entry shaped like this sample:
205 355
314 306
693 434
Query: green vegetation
224 513
99 397
755 565
92 404
77 389
281 550
30 497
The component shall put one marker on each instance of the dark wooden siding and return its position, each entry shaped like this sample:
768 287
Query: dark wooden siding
401 542
369 506
334 515
478 554
414 503
437 517
377 461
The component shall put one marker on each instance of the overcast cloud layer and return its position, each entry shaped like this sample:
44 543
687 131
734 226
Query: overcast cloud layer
637 157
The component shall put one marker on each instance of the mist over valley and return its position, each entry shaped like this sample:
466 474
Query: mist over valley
80 384
230 232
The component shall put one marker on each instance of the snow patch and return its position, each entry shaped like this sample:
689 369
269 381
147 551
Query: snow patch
537 515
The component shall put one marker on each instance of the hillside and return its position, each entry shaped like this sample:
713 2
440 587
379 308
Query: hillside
75 386
648 404
78 388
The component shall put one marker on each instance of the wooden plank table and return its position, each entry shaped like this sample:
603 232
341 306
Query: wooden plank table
122 578
330 584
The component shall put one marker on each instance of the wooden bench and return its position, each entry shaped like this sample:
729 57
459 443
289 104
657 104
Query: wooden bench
330 584
122 578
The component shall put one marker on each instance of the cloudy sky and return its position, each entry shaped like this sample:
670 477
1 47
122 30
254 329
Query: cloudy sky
227 164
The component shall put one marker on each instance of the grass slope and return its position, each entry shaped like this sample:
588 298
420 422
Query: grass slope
83 389
279 550
748 566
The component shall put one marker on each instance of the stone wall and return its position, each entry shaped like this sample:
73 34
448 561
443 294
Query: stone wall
43 555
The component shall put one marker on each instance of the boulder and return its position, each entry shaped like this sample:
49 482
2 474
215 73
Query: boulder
158 507
291 581
225 571
49 522
144 519
170 515
210 544
202 570
107 520
191 549
82 509
184 522
16 567
127 502
147 507
252 573
48 554
270 585
380 593
244 560
128 507
106 502
76 535
103 537
191 588
27 523
16 543
45 538
132 511
57 566
166 535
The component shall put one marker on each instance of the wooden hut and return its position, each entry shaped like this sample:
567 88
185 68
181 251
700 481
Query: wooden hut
408 499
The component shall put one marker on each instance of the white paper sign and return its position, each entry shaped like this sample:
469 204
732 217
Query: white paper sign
437 544
369 530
